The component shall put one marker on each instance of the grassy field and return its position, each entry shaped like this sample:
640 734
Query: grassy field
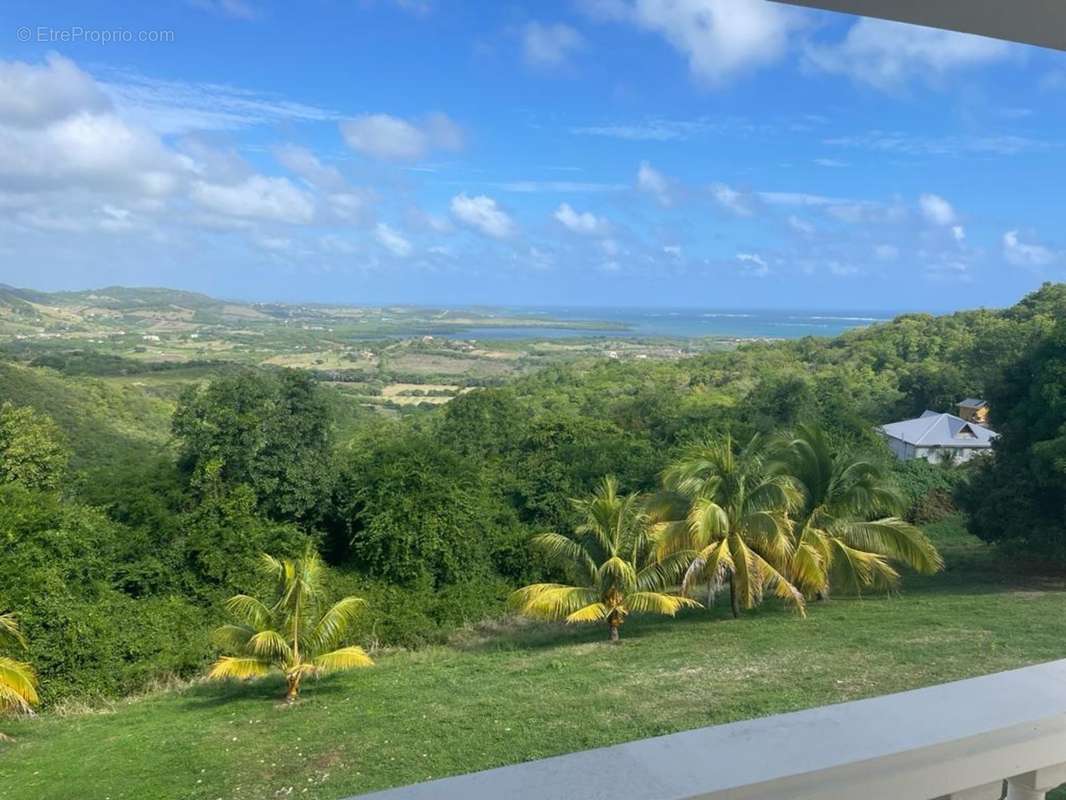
504 695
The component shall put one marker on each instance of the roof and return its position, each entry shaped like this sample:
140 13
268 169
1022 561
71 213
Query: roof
973 402
939 430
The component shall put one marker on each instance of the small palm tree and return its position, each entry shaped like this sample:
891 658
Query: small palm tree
723 508
611 559
18 683
846 529
295 633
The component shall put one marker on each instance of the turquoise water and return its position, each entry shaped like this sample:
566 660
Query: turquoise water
687 323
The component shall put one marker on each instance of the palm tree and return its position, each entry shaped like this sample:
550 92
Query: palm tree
847 529
723 508
612 560
295 633
18 683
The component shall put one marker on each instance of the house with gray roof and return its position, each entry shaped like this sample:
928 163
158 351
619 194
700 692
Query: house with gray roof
937 437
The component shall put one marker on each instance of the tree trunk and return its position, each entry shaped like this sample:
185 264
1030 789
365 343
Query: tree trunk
292 689
733 597
613 624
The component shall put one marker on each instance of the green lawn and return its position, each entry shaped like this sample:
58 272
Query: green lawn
498 697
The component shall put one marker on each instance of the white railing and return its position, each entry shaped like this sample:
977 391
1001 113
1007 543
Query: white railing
970 740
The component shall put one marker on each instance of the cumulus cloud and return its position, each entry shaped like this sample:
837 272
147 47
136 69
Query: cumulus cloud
653 182
392 240
581 222
936 209
257 197
393 139
482 214
1025 254
549 46
33 95
888 55
801 226
720 38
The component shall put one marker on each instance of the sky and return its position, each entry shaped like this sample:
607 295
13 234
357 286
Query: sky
682 153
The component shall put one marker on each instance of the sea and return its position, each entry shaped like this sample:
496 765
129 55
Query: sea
679 323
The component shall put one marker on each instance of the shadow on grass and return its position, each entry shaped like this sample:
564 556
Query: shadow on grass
269 689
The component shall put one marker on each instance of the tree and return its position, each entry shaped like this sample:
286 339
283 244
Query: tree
296 634
268 430
31 448
847 527
611 558
18 683
728 514
1018 497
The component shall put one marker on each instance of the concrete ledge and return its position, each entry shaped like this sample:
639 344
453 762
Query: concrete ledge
919 744
1039 22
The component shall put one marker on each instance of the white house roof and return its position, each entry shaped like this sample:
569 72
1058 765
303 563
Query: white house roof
939 430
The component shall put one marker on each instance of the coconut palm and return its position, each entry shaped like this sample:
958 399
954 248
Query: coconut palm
294 632
846 530
611 557
723 508
18 683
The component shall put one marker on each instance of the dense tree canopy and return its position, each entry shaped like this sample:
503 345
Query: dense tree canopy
267 430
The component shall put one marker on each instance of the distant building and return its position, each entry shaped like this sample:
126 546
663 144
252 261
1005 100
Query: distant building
937 438
974 410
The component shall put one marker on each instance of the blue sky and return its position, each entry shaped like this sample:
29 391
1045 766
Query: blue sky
713 153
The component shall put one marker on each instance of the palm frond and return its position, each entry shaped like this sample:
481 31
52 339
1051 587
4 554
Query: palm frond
240 667
343 658
333 624
232 637
551 601
895 538
249 610
10 633
593 612
18 685
268 645
659 603
564 550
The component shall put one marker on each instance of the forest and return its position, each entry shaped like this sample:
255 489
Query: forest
120 551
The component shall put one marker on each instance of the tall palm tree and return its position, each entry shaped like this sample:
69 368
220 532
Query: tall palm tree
612 560
294 632
18 683
847 529
723 508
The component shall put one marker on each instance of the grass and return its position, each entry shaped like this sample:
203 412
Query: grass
520 692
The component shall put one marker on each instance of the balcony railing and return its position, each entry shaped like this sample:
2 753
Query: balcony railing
978 739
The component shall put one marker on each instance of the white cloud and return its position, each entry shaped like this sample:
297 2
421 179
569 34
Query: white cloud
754 265
672 250
31 95
732 200
653 182
720 38
1022 254
887 55
179 107
482 214
549 46
959 233
304 163
394 139
257 197
392 240
581 222
936 210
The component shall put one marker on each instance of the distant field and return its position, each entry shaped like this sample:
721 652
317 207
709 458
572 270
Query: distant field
506 694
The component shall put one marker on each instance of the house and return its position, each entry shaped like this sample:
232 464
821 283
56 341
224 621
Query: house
937 438
974 410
